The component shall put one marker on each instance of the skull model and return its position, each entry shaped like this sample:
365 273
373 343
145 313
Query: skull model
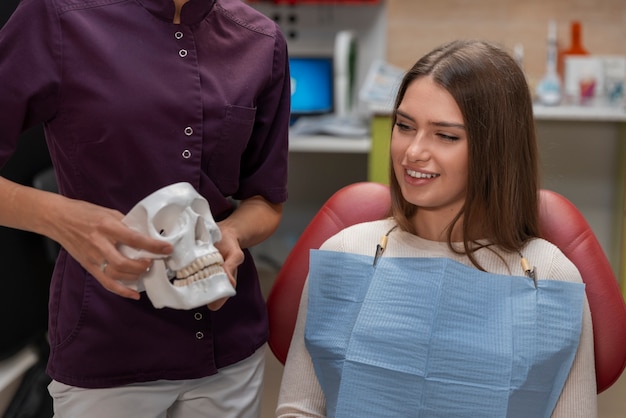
192 275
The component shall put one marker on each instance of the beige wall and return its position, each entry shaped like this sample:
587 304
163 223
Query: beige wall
416 26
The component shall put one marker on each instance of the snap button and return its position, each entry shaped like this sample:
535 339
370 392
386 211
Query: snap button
199 335
178 35
182 53
198 316
188 130
186 154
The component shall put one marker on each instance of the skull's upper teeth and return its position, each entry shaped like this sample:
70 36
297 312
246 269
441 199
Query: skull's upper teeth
199 264
419 175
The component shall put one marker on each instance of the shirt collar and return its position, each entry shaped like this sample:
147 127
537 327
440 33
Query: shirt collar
193 11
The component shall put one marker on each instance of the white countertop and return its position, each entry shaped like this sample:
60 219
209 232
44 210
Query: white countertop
326 143
580 113
569 112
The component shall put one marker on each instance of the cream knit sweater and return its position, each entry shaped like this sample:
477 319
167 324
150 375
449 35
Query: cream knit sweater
300 392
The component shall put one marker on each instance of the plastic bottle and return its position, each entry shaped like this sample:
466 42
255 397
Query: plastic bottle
549 90
576 46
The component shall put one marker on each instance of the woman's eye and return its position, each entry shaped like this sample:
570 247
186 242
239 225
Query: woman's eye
403 126
448 137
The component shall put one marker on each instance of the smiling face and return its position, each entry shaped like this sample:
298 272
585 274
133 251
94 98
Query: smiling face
429 152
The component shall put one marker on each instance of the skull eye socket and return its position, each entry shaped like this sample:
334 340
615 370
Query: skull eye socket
174 220
170 221
201 207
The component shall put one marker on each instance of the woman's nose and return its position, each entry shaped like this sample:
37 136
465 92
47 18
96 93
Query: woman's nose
418 149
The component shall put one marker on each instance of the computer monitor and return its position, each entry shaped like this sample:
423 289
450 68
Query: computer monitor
311 85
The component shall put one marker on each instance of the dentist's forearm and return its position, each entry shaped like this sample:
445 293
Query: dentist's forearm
254 221
27 208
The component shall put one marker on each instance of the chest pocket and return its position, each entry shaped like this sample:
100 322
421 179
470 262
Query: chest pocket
225 159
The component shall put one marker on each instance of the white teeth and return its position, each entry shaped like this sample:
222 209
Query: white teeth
418 175
194 271
202 274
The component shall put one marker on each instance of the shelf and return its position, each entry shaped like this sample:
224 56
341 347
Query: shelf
563 113
325 143
331 144
580 113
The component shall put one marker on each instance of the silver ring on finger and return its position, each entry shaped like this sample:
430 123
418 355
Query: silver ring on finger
103 266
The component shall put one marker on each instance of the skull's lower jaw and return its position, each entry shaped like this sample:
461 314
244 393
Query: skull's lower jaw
193 295
207 285
202 282
213 287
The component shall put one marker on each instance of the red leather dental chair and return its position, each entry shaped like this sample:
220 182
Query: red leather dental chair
561 223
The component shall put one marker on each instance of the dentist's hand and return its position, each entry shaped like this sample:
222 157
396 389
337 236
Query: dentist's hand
233 256
91 234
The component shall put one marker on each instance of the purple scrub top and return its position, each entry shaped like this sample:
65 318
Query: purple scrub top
130 103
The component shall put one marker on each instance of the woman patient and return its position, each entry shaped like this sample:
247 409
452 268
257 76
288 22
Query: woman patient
453 306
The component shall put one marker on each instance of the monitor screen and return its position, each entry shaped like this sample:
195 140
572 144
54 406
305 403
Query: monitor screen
311 85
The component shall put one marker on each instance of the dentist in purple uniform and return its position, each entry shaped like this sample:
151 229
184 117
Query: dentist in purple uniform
135 95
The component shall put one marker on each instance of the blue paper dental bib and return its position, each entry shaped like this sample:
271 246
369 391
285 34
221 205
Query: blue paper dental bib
430 337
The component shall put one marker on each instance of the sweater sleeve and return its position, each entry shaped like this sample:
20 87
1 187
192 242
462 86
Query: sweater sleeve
300 392
579 396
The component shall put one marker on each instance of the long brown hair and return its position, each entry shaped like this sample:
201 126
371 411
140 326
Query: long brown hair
502 188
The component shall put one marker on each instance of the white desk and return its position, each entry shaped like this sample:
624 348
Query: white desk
325 143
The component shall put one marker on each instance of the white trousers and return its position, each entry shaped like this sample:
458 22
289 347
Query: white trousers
234 392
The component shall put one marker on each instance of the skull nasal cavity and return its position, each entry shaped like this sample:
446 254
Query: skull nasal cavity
202 232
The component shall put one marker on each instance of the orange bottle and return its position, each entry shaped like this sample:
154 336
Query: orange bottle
576 47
